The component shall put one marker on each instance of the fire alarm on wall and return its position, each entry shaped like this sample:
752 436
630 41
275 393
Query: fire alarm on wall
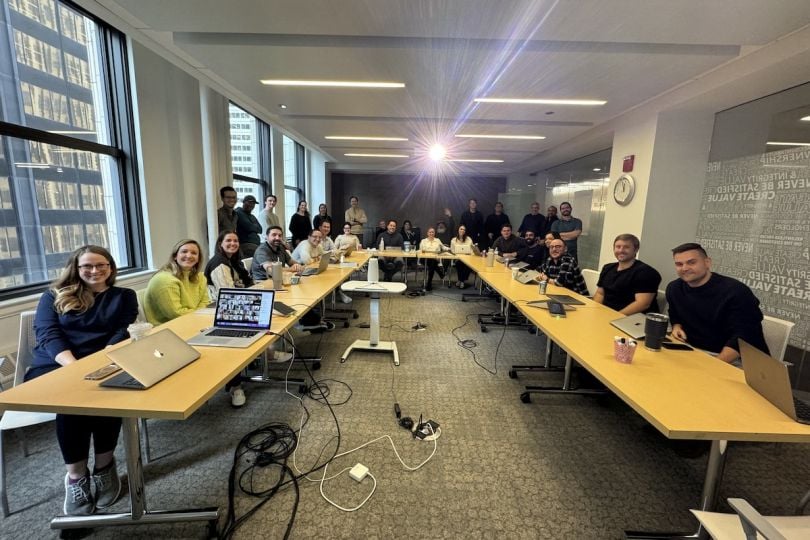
627 163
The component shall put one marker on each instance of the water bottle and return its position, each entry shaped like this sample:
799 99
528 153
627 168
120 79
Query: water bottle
342 259
382 244
276 274
490 258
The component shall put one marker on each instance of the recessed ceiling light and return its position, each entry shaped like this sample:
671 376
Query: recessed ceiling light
333 84
596 169
521 101
378 155
806 119
775 143
520 137
362 138
477 160
282 106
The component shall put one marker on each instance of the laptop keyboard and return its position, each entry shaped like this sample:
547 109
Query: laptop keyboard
219 332
802 408
131 382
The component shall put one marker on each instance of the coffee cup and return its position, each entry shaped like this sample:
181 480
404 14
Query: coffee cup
655 328
139 330
623 350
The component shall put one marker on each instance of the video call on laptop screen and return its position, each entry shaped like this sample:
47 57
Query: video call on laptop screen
245 308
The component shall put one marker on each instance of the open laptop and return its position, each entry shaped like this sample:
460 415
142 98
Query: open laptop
242 317
150 360
770 378
632 325
565 299
322 266
527 276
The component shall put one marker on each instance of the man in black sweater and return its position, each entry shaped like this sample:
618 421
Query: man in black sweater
629 285
473 221
711 311
534 221
493 224
391 238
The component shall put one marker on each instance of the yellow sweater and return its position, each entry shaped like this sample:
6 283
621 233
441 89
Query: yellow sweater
168 297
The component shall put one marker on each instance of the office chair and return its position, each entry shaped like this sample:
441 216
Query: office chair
591 278
748 524
777 333
248 263
18 419
663 305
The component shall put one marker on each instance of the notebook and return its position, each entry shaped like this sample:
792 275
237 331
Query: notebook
565 299
150 360
242 317
632 325
770 378
324 264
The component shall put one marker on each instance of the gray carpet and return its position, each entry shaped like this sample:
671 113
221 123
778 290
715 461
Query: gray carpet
561 467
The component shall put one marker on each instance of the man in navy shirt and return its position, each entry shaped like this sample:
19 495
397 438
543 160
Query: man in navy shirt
629 285
711 311
569 228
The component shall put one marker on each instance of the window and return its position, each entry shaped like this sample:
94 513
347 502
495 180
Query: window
294 191
65 179
250 155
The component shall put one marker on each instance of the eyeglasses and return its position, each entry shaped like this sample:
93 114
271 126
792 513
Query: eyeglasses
90 267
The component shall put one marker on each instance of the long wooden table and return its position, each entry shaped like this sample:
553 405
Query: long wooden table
684 394
65 391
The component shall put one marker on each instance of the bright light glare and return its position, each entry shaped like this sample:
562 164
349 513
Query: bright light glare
334 84
519 137
437 152
517 101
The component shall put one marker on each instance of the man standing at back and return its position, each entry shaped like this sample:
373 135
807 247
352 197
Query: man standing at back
629 286
551 217
569 228
267 217
711 311
226 217
494 223
533 221
248 228
473 221
356 217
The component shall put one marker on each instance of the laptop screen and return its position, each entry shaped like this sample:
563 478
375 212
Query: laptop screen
244 308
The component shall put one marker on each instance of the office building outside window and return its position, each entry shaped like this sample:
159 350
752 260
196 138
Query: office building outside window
250 155
63 144
294 181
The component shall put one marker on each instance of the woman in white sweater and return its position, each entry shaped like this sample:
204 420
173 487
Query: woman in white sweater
347 239
431 244
462 270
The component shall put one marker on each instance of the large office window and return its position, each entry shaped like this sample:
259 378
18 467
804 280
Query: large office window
294 179
66 177
250 155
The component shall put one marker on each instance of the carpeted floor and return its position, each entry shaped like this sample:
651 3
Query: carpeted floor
561 467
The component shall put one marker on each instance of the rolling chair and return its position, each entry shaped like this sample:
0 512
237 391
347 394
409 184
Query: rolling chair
591 278
248 263
663 305
18 419
748 524
777 333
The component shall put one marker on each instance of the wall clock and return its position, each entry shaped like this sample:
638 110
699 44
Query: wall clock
624 189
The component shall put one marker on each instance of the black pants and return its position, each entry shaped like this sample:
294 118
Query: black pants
432 267
462 270
390 267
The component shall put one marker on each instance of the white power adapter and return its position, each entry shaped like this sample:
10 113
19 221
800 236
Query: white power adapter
358 472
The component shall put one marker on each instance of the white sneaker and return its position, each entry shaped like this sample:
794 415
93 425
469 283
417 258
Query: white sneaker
237 396
345 299
281 356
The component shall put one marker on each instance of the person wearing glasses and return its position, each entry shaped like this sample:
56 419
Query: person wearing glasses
347 239
226 214
80 314
562 269
179 287
309 251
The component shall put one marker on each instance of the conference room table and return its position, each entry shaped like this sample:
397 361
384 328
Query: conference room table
177 397
684 394
416 254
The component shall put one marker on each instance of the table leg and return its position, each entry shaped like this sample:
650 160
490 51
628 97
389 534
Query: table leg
138 513
708 498
374 322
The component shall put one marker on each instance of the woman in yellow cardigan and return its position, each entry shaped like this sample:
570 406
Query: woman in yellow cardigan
179 287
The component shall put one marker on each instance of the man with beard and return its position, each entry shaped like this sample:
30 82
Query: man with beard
629 285
569 228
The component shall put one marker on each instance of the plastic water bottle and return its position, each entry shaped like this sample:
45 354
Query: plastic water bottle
342 259
382 244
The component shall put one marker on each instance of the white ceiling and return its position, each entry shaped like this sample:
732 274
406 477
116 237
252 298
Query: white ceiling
449 51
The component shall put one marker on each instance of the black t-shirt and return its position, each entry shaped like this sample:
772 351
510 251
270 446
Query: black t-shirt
621 287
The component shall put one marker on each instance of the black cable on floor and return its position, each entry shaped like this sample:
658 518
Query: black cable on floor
470 344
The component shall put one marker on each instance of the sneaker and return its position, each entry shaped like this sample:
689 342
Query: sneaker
281 357
237 396
328 325
107 485
78 498
345 299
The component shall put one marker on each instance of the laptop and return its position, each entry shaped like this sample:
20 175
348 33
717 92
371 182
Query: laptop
565 299
463 249
770 378
527 276
632 325
324 264
150 360
242 317
348 250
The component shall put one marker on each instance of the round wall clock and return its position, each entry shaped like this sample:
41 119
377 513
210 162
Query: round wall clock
624 189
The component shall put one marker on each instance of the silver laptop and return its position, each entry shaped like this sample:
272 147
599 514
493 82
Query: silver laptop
324 264
632 325
770 378
150 360
242 317
565 299
527 276
462 249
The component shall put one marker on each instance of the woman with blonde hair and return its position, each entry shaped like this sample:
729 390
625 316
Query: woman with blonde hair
82 313
179 287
